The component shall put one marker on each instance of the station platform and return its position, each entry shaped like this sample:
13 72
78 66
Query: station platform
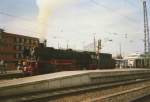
66 79
10 74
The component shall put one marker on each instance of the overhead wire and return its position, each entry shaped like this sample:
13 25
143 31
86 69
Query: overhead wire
93 1
21 18
114 11
131 3
15 16
18 17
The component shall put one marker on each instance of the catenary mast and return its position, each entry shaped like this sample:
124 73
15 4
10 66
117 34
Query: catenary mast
146 29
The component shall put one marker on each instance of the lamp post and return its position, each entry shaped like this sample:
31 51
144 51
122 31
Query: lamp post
98 53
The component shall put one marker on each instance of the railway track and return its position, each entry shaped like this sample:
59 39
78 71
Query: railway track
124 96
94 93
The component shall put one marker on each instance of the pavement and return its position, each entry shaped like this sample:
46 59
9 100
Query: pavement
11 74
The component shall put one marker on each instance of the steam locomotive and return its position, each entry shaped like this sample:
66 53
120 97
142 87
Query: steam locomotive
47 60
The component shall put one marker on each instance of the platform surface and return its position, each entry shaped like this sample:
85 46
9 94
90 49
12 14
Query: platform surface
54 76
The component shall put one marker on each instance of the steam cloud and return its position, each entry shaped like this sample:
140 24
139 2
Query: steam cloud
46 8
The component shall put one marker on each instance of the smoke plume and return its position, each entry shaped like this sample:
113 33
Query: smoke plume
46 8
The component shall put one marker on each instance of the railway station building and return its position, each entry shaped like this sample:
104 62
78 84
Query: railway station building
12 47
138 60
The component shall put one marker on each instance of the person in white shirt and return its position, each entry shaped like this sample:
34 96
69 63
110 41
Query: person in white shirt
2 66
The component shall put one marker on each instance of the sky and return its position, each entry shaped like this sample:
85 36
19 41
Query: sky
116 22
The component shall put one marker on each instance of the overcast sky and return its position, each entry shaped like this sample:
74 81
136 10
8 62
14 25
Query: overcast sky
114 21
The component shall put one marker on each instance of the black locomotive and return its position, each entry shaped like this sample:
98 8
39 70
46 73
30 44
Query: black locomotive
48 60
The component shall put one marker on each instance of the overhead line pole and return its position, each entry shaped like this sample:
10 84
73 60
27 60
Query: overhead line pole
146 29
146 36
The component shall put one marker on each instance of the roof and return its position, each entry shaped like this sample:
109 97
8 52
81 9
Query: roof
134 56
21 36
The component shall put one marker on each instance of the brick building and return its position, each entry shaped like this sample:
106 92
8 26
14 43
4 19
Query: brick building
12 47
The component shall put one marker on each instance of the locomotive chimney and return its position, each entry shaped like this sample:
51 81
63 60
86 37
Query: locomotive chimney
43 43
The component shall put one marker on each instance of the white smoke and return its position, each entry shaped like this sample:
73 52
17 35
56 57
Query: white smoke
46 8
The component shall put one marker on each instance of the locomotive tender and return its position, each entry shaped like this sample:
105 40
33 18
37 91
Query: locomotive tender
47 60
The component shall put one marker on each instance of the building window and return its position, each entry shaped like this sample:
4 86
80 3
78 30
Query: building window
32 41
17 40
22 40
27 41
17 47
17 56
22 48
36 42
22 55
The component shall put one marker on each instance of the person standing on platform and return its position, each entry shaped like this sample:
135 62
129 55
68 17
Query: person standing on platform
2 66
5 67
19 66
